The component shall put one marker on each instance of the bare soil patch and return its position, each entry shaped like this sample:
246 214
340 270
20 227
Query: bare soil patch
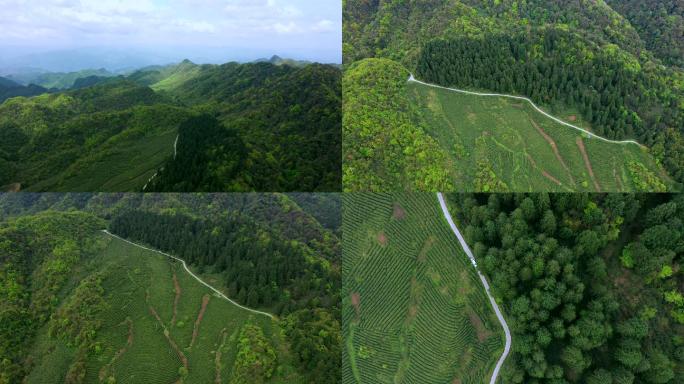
217 356
356 303
177 288
583 150
618 180
482 332
382 238
554 147
105 371
544 173
14 187
167 334
398 213
200 315
572 118
426 247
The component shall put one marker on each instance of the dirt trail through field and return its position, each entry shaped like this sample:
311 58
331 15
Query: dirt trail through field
580 144
544 173
217 356
200 315
554 147
105 371
177 288
167 334
591 135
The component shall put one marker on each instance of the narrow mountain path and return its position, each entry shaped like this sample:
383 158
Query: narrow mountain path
591 135
219 293
499 315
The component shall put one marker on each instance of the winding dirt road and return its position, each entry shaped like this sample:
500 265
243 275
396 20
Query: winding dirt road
219 293
591 135
499 315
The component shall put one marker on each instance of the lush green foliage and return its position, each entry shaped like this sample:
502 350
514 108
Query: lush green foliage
78 306
280 131
503 145
59 80
385 145
288 118
37 257
414 310
581 58
9 88
576 314
660 25
259 268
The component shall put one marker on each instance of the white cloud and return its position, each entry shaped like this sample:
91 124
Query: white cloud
323 26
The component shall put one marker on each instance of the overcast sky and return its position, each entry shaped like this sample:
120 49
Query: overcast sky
303 29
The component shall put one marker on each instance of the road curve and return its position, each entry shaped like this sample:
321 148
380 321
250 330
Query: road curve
591 135
507 347
219 293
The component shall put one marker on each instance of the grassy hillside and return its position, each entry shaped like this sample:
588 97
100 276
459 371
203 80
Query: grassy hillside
581 59
501 144
135 346
83 306
414 310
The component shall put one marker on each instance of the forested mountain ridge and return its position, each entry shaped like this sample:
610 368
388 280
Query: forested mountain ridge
278 129
290 130
660 25
582 59
233 249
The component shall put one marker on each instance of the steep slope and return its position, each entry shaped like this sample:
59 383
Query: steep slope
288 119
111 136
578 58
9 89
111 302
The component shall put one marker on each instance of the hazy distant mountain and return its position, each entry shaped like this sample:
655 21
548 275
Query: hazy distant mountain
9 88
277 60
60 80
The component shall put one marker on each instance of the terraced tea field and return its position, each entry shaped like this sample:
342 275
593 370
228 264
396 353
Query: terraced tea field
500 144
162 326
413 308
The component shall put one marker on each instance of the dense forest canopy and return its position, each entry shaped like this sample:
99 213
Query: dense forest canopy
614 62
278 129
261 249
587 283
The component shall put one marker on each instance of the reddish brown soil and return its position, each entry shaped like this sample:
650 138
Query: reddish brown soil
572 118
200 315
544 173
426 247
217 356
167 334
580 144
618 180
104 372
382 238
177 287
399 212
554 147
356 303
14 187
482 332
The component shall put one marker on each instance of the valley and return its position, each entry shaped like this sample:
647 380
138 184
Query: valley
271 125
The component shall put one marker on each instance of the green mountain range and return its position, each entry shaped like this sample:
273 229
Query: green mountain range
82 305
182 127
595 65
